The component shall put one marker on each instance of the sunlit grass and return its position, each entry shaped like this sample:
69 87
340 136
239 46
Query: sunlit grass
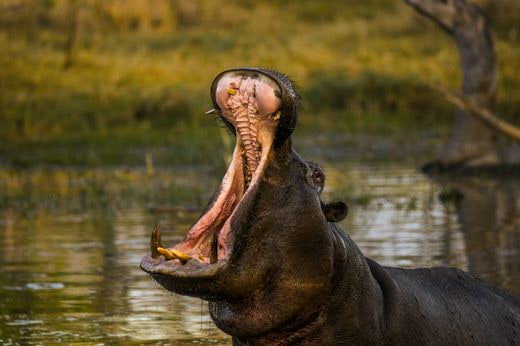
365 70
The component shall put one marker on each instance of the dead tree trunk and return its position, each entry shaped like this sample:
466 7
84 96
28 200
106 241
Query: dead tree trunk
72 30
471 142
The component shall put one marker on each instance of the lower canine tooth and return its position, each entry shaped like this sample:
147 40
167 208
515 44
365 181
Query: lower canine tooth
155 242
173 254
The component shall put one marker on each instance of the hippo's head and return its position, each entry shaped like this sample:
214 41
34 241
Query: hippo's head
262 253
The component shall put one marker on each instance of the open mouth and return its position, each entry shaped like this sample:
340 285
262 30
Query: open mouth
249 101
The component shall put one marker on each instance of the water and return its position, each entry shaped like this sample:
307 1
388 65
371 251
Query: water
71 242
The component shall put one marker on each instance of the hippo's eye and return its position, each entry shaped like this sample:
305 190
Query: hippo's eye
314 176
317 177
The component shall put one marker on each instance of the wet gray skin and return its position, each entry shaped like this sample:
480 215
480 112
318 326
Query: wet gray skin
274 267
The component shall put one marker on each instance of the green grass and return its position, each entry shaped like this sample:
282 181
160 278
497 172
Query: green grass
86 189
361 68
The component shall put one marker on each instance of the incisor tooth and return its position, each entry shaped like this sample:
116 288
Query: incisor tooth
173 254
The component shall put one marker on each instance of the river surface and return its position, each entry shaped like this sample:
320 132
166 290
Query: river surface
71 242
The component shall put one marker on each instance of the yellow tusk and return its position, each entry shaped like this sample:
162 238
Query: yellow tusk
232 91
166 253
181 255
174 254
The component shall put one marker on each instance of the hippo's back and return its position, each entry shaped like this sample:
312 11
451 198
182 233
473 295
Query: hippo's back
447 306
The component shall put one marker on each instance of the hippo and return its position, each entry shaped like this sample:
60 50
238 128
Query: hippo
267 255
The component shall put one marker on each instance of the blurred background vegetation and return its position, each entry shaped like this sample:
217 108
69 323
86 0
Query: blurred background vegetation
93 82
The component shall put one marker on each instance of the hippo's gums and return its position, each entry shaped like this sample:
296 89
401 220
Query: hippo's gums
276 270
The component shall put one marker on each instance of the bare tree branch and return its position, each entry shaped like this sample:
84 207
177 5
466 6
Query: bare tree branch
442 12
481 113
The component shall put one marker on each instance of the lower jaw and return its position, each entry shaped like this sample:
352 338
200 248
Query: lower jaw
191 279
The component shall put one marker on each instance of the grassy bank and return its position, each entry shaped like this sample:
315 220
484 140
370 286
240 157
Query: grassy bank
361 68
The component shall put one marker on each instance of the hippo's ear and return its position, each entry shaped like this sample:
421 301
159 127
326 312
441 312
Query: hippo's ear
335 211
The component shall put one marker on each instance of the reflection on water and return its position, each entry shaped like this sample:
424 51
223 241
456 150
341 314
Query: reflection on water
71 243
489 220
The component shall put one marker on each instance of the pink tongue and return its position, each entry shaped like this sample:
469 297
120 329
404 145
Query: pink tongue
200 231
